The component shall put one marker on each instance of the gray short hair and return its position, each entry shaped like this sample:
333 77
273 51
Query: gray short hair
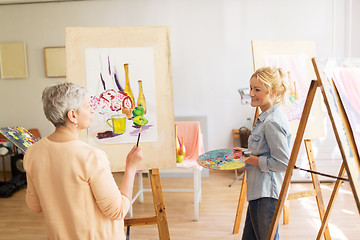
61 98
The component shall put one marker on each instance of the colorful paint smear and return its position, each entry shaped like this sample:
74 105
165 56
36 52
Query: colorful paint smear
19 136
298 80
221 159
299 77
114 77
346 75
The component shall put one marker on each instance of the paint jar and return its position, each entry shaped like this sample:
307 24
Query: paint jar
118 123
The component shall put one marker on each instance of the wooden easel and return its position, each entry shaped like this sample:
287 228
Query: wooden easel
347 161
296 195
159 206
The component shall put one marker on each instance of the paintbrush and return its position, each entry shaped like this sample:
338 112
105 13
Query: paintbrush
138 139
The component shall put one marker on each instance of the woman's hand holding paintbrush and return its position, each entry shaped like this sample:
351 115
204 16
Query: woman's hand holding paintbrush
135 155
133 159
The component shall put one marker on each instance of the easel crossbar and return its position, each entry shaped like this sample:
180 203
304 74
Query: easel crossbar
140 221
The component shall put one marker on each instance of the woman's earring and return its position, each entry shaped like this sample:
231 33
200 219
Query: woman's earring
76 124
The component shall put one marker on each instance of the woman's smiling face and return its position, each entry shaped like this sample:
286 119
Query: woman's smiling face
260 96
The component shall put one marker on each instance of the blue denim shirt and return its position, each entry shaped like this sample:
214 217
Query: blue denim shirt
270 141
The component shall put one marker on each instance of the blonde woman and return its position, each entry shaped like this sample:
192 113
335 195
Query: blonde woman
69 180
269 143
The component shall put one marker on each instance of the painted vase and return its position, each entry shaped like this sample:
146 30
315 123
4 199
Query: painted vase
182 150
177 144
127 85
141 98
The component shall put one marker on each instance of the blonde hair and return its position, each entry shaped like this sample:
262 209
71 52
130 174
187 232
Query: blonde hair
273 79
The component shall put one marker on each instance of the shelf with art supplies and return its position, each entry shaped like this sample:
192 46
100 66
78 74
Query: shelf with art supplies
16 140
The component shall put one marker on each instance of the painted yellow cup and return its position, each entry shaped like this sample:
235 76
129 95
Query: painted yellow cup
118 123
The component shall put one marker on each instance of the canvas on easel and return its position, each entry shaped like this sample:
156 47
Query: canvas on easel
347 145
110 62
345 73
127 72
295 58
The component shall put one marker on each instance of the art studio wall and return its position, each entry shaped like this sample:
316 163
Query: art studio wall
210 43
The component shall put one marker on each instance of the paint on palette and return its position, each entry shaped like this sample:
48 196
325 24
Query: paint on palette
221 159
19 136
113 77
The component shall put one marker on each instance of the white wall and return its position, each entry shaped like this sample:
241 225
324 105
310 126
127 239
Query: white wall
211 49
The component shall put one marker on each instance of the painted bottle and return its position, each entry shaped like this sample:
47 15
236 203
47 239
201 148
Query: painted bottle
141 98
127 85
182 148
296 92
177 144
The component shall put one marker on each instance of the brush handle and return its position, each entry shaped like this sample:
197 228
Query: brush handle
138 139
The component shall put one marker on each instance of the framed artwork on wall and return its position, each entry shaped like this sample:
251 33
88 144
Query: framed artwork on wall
55 66
13 62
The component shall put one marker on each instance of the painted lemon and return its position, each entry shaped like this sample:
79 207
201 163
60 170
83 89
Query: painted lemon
140 121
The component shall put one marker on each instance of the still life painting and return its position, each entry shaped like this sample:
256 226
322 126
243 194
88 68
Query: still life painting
121 84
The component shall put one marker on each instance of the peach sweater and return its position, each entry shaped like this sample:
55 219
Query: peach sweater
71 183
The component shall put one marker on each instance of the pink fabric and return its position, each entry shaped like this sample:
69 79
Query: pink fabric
71 183
193 139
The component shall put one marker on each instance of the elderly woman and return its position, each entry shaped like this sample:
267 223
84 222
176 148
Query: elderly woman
69 180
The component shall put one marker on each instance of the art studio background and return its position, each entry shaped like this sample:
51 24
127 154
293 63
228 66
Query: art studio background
211 53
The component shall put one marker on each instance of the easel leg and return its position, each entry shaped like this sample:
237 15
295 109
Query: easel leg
316 185
240 205
286 212
159 204
292 160
331 202
197 192
141 186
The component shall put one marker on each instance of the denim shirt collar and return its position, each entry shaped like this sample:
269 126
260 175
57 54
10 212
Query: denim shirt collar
264 115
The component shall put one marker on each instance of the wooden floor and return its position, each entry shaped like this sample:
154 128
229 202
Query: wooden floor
217 213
